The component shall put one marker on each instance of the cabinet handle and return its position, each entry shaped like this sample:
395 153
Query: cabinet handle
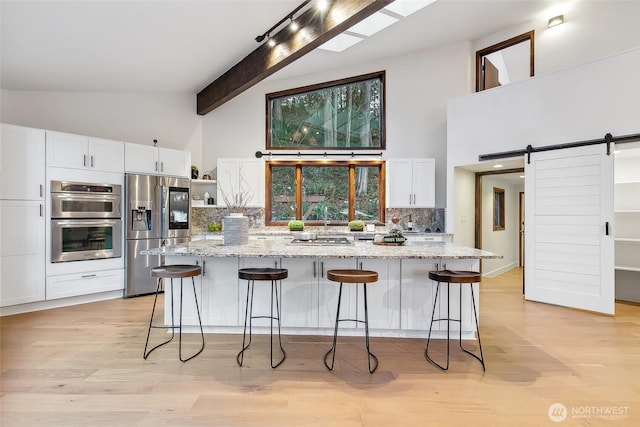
410 198
156 166
91 161
315 273
87 276
84 160
161 166
322 269
41 210
41 190
360 265
204 270
606 228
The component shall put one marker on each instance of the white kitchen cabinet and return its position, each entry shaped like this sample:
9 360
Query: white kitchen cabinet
156 160
627 224
261 293
383 296
240 178
418 293
91 282
411 183
220 291
328 295
189 312
67 150
22 252
300 293
22 163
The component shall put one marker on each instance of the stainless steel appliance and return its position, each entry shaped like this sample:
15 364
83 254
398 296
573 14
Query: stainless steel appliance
157 213
85 221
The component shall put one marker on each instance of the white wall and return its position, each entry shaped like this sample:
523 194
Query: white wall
417 89
137 118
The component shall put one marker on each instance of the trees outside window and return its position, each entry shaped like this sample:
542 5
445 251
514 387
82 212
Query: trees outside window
323 191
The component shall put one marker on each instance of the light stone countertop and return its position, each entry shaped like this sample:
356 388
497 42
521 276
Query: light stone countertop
360 249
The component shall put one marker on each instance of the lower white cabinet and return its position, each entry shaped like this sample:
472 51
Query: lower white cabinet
70 285
328 295
383 296
189 312
22 252
300 293
220 291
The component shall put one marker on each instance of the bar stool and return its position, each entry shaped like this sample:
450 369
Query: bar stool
174 272
460 277
261 274
352 276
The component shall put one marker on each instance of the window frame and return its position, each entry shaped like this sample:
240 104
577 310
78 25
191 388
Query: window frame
498 209
299 164
269 97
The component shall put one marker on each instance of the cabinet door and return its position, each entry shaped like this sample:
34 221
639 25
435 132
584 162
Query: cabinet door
400 183
417 294
424 188
22 163
383 296
106 155
261 293
189 312
66 150
140 158
300 293
227 180
174 162
22 252
328 295
220 292
251 171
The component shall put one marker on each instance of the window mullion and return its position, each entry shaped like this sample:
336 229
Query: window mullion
299 192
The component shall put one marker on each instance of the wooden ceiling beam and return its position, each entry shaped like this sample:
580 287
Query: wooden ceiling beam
315 29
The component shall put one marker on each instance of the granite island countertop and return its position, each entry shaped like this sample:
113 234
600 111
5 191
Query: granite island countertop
358 249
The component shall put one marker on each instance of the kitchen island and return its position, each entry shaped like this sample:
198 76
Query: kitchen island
400 303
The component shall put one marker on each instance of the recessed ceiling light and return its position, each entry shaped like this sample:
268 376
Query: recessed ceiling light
556 20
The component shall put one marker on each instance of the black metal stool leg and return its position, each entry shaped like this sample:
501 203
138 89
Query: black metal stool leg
247 313
475 314
335 335
193 282
274 289
433 319
366 331
153 310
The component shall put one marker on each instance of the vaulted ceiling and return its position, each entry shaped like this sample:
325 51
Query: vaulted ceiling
169 46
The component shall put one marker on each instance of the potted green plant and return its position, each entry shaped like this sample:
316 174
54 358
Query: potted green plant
194 172
356 225
295 225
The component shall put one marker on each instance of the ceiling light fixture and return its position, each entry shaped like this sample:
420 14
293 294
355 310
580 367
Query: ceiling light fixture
291 17
555 21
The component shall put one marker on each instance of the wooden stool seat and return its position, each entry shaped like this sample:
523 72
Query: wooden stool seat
352 276
273 275
177 271
449 276
460 278
263 273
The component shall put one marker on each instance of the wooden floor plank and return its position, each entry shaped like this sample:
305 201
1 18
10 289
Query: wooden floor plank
83 365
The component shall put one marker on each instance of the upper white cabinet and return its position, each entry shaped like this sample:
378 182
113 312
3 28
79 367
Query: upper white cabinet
22 163
241 178
156 160
65 150
411 183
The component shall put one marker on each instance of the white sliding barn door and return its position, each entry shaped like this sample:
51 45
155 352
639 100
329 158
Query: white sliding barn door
568 213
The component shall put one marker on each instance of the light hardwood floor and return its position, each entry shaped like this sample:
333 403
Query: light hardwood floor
83 365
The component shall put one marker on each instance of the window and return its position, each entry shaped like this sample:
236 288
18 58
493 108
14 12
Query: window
321 191
341 114
505 62
498 209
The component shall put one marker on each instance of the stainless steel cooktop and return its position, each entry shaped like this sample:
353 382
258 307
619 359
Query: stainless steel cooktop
323 240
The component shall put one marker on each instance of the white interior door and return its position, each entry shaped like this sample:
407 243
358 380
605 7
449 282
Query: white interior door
569 251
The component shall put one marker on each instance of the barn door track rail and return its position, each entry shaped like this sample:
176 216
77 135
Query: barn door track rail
608 139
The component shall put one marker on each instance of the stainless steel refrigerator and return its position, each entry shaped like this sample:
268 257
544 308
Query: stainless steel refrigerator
157 213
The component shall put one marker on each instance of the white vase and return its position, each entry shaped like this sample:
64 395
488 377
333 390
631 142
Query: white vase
235 228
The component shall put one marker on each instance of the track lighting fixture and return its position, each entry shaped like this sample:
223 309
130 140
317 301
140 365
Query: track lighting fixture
290 17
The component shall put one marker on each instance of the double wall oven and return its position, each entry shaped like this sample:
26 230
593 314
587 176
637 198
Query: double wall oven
86 221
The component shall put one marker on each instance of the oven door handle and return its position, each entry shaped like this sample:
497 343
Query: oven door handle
85 222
